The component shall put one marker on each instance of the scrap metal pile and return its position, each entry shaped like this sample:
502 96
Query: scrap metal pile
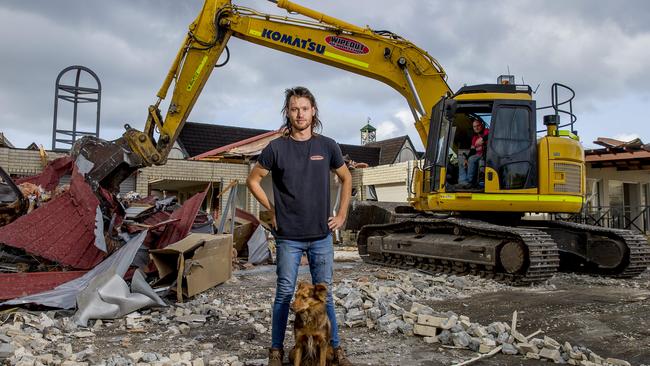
52 233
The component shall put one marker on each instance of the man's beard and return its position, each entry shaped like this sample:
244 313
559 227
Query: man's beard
299 128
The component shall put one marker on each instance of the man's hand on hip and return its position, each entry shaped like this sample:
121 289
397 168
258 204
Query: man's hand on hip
335 222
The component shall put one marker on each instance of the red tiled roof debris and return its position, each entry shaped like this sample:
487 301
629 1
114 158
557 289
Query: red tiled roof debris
49 178
62 230
13 285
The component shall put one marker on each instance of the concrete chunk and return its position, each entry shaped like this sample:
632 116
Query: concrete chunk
526 348
424 330
432 321
532 356
508 349
484 348
551 343
551 354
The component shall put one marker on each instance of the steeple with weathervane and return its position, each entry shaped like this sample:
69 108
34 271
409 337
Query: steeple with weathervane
368 133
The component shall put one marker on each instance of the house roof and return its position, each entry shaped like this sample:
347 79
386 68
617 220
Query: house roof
4 142
204 141
361 154
390 148
198 138
248 147
630 155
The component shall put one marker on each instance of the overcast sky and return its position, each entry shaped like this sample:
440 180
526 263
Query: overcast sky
600 48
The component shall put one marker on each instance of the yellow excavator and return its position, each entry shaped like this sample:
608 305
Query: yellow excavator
446 226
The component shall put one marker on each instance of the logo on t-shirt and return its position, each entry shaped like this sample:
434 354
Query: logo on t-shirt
316 157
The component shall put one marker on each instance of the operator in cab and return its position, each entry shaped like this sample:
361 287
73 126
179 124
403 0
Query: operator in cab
468 171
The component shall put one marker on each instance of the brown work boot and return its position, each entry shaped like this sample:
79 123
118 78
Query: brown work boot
275 357
339 357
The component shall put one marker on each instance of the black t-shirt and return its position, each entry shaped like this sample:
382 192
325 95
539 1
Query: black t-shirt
301 184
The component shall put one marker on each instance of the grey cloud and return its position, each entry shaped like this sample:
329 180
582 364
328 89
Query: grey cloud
600 48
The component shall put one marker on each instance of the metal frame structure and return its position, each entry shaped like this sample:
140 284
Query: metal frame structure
75 94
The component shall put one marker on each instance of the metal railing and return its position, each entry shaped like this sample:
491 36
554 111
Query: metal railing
636 218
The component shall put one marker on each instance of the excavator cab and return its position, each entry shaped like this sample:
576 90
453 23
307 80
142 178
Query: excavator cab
513 169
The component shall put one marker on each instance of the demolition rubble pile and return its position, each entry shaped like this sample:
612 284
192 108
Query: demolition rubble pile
230 326
53 233
392 306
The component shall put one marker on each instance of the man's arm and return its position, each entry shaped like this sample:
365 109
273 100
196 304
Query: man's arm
254 183
336 222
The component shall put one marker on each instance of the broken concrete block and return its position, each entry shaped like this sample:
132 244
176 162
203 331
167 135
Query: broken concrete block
417 308
503 338
461 339
508 349
6 350
184 329
526 348
551 354
532 356
617 362
551 343
356 323
374 313
478 331
410 316
353 300
424 330
566 347
474 344
355 314
136 356
445 337
83 334
450 322
429 320
465 324
404 327
431 340
483 348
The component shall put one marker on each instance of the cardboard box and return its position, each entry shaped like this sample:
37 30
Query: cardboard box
194 264
243 231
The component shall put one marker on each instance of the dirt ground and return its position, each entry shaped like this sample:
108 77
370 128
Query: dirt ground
608 316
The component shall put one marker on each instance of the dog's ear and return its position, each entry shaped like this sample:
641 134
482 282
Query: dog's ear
320 292
302 284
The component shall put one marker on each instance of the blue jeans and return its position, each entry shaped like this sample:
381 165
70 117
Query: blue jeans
472 168
462 170
321 265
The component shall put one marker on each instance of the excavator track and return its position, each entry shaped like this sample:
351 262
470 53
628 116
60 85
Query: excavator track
637 250
534 249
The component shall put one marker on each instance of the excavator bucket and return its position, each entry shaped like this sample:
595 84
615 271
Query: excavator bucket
104 163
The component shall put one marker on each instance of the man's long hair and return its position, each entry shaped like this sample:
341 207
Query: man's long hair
299 92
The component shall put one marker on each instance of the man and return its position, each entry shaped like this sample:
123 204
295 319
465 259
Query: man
468 173
300 163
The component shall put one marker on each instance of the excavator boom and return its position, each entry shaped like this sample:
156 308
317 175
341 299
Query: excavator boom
379 55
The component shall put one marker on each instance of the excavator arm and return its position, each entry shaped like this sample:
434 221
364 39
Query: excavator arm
379 55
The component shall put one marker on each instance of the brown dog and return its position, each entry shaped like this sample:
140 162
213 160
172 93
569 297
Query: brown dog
312 327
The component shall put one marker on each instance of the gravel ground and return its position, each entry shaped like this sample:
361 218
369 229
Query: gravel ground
230 324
